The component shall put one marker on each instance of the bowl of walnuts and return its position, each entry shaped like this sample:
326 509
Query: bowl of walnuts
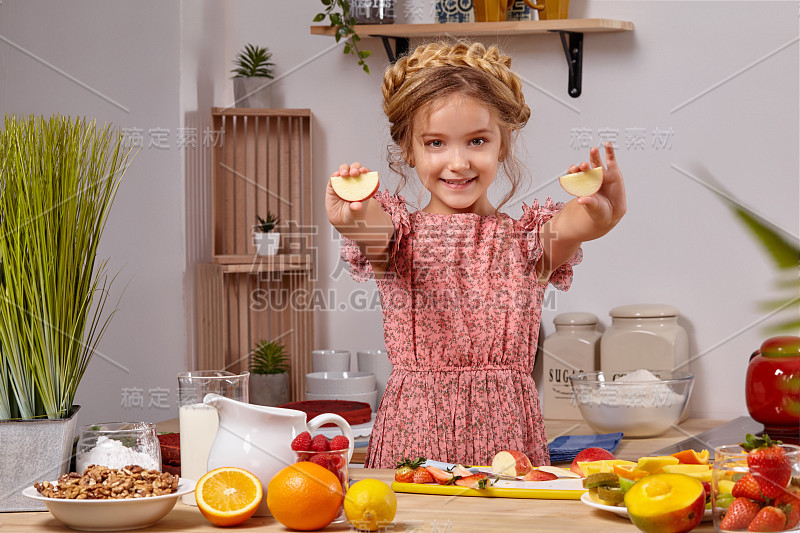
109 499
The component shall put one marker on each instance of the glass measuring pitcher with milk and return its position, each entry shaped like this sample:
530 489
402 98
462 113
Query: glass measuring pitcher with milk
199 421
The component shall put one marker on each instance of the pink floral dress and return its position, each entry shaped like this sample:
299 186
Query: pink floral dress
461 311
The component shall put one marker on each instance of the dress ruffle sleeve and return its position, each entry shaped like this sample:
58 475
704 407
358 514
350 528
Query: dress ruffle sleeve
395 206
533 218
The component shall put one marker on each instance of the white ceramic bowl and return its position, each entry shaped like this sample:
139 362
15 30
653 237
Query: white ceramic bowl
636 408
330 361
112 515
367 397
340 382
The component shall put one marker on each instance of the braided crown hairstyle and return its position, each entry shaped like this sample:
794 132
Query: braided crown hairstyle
438 70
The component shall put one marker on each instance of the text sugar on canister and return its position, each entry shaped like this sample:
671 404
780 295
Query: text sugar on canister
644 336
573 348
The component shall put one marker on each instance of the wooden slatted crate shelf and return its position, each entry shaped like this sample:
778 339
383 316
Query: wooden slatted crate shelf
262 164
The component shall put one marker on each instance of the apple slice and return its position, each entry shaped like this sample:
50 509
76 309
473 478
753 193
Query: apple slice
511 463
558 472
355 188
583 183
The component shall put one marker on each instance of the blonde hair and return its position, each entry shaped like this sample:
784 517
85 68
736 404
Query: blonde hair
438 70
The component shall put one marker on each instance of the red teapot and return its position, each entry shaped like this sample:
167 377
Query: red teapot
772 387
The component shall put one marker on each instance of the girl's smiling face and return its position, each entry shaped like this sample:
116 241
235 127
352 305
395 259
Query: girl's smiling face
456 151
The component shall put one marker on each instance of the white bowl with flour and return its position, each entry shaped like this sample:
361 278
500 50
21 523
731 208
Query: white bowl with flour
638 403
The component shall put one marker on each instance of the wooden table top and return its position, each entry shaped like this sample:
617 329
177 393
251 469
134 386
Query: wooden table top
422 513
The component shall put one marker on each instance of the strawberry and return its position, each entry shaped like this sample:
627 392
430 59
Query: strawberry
789 503
320 443
405 469
440 476
421 475
739 515
747 487
302 442
340 442
768 463
768 519
474 481
539 475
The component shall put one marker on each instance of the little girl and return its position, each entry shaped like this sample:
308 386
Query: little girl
461 284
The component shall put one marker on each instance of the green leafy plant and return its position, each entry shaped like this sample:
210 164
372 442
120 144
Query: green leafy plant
785 254
268 224
253 62
781 247
338 13
58 179
269 357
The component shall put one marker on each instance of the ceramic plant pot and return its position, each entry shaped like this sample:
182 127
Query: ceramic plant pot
252 92
267 243
269 389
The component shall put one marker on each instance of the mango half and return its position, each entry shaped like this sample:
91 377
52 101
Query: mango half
666 503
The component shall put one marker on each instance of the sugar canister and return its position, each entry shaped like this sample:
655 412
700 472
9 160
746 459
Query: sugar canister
644 336
573 348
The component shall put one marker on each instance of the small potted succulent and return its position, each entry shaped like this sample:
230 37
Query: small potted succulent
252 75
267 238
269 374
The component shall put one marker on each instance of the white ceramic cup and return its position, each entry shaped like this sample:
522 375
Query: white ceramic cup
375 362
330 361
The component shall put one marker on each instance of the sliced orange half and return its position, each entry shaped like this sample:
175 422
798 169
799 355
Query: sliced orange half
228 496
691 457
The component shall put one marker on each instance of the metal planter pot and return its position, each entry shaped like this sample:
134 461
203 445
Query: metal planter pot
33 450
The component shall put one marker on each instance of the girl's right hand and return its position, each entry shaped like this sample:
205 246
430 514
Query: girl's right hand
340 212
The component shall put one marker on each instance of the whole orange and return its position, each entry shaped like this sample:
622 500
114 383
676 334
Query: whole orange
304 496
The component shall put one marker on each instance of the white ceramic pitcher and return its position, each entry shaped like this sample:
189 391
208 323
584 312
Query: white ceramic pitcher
258 438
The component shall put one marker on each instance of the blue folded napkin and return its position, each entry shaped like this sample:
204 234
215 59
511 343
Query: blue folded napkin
566 447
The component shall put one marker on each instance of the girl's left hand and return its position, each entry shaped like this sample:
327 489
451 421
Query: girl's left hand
607 206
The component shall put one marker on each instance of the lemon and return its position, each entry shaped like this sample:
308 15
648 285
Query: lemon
370 504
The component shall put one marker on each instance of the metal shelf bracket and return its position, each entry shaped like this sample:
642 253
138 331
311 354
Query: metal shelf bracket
400 46
572 42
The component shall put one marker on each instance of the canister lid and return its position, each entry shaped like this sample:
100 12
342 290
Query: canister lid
575 319
643 311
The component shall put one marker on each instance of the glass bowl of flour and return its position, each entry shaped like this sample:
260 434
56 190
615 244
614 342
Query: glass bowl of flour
117 445
640 403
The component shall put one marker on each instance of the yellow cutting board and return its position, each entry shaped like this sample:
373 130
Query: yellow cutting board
557 489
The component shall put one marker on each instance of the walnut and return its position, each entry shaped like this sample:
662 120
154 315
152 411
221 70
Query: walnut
99 482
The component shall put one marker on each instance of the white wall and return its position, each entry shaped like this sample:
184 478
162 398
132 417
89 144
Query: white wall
169 63
117 62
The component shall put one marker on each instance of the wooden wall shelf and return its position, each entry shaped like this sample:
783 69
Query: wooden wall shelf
275 263
485 29
570 31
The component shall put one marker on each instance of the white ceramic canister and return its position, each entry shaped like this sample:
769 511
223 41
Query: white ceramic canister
572 349
644 336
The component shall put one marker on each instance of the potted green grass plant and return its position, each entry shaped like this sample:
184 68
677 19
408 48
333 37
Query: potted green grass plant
269 377
58 179
252 75
267 238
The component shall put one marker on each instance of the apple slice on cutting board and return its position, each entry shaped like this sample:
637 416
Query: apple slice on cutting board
582 183
355 188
